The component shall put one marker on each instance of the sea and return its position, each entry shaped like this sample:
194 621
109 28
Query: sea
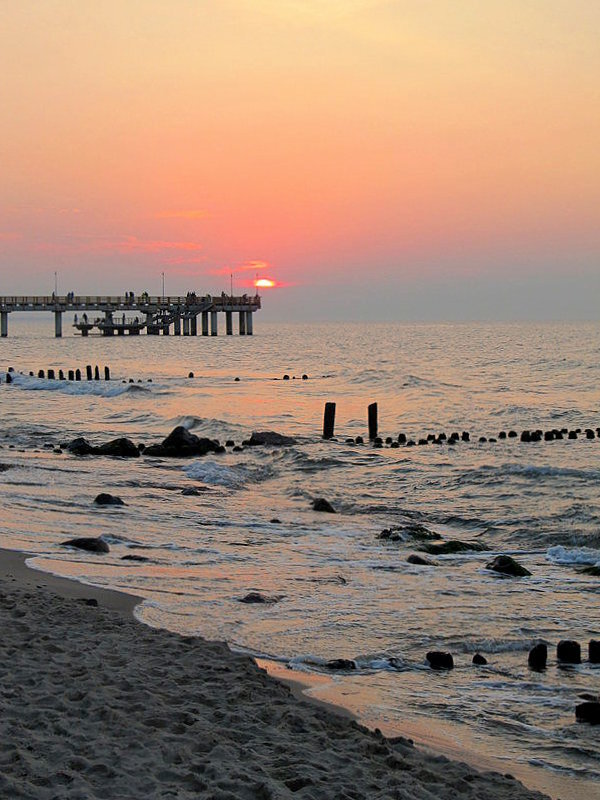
337 590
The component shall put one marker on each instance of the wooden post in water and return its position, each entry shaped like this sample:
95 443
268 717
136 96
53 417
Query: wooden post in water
106 373
61 375
77 374
40 373
372 413
328 420
71 375
88 372
50 374
96 373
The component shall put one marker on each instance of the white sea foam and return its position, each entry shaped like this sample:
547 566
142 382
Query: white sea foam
573 555
77 388
217 474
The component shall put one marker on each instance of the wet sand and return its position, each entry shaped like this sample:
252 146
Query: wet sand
96 705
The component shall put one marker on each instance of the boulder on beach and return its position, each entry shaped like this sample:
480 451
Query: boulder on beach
269 439
593 570
440 660
507 566
341 663
414 558
321 504
180 443
538 656
454 546
594 651
402 533
133 557
122 447
479 660
192 491
105 499
588 712
89 543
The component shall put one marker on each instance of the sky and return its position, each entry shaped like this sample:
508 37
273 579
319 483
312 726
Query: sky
433 159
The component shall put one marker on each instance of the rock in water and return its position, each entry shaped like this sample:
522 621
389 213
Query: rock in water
257 597
80 447
538 656
180 443
479 660
402 533
91 544
588 712
269 439
424 562
568 652
455 546
439 660
320 504
105 499
341 663
507 566
122 447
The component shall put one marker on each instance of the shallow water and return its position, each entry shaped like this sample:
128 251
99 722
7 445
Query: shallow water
342 592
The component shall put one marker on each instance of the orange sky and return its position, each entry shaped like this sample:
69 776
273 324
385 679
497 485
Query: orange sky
372 146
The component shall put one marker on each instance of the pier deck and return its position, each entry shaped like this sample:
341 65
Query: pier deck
132 314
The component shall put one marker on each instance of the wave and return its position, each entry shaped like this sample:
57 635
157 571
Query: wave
78 388
234 477
573 555
489 472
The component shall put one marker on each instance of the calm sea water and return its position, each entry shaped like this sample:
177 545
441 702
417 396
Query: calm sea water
343 593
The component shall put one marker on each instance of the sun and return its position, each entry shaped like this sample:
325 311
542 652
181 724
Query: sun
264 283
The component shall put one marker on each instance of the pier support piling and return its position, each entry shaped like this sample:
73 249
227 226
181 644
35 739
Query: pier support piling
328 420
213 323
96 373
186 326
248 323
242 323
58 324
77 374
194 326
229 323
88 372
177 326
106 373
4 324
372 414
205 323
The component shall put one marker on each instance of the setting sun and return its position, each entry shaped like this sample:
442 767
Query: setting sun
264 283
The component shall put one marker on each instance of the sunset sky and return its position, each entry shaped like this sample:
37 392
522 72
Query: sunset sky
431 159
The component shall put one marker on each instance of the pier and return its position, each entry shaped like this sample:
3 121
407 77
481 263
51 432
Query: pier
131 314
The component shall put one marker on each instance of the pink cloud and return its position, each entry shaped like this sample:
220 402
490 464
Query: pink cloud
254 266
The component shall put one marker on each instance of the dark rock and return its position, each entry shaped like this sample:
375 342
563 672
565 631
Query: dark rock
526 436
122 447
549 436
588 712
538 656
91 544
275 521
80 447
502 435
423 441
270 439
359 440
141 447
286 377
58 451
410 443
568 652
9 378
465 436
388 439
257 597
394 445
423 562
229 443
492 440
401 533
341 663
440 660
507 566
238 449
454 546
594 570
594 651
190 374
133 557
193 491
572 435
321 504
512 434
378 440
590 434
89 601
479 660
402 438
105 499
180 443
305 377
536 436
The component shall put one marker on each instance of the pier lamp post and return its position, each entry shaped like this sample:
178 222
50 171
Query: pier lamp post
163 284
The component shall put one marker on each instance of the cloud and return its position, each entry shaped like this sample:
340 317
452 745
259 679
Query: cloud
132 244
185 260
253 266
181 215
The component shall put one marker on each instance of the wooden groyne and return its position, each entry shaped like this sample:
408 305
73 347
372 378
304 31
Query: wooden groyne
133 314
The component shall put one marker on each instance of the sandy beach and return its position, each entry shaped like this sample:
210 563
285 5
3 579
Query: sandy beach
95 704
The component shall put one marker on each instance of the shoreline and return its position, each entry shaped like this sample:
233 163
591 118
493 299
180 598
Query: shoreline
261 729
